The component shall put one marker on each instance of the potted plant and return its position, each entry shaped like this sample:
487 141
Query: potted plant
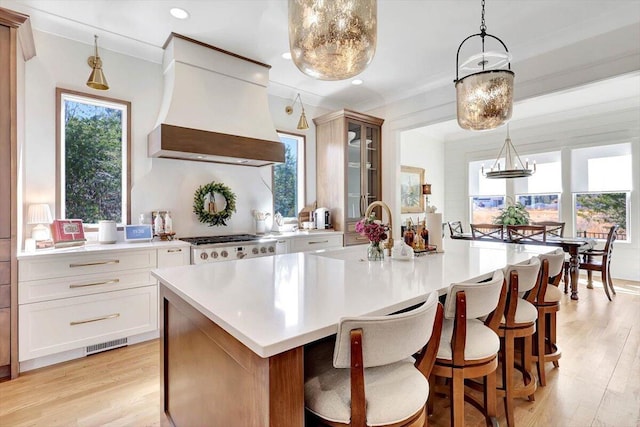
513 214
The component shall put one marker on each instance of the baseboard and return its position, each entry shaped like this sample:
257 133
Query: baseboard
52 359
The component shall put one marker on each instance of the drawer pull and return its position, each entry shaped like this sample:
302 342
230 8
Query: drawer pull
108 282
174 250
88 264
362 238
281 241
95 319
318 242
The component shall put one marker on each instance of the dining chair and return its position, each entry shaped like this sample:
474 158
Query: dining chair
518 324
527 233
600 260
487 231
455 228
553 228
469 345
371 379
547 302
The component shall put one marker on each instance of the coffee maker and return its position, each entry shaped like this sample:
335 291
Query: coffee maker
322 218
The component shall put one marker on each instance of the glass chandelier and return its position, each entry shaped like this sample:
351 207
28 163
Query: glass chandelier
485 98
332 39
513 167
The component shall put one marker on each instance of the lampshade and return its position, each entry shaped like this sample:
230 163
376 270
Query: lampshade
426 189
513 168
484 99
96 80
332 40
39 214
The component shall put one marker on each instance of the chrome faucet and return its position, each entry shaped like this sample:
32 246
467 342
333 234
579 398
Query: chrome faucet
389 244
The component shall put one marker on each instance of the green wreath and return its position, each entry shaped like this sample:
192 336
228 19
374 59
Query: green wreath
217 217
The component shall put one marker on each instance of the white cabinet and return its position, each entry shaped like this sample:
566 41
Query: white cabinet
89 296
282 246
313 243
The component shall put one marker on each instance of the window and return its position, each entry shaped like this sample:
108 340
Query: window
289 177
601 184
93 151
540 193
487 195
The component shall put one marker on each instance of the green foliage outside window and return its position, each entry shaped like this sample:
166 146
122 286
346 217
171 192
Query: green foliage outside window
285 177
596 212
93 162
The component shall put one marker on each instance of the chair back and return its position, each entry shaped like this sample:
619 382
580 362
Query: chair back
481 298
386 339
554 228
608 246
527 233
455 228
487 231
527 274
556 262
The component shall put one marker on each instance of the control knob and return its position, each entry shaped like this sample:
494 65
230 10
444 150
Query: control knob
214 254
263 250
204 256
254 251
224 254
271 249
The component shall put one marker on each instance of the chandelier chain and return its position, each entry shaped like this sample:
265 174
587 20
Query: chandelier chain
483 27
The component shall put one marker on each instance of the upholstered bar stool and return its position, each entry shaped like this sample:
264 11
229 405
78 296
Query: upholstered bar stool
519 323
548 304
372 380
469 346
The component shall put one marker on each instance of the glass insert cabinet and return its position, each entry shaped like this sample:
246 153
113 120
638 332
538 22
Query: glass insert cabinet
349 173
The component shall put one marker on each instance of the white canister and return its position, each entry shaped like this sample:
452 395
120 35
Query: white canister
107 232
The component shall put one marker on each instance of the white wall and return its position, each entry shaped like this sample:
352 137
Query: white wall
156 183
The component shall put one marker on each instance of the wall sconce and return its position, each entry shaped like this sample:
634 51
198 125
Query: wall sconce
97 80
426 191
38 215
302 123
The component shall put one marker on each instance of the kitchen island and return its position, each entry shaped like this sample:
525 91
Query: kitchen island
233 333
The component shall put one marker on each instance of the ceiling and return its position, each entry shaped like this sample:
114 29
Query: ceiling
417 39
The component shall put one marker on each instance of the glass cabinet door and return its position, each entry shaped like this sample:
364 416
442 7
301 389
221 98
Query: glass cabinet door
354 208
372 172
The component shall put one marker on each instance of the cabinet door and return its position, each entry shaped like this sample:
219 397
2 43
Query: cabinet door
371 171
356 199
173 257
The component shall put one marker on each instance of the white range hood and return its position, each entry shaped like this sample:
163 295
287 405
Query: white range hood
215 107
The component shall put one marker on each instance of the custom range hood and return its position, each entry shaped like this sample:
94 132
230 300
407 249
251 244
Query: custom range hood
214 107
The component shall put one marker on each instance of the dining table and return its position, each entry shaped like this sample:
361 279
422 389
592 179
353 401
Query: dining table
571 245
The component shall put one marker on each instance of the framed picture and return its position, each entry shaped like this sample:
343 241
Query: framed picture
411 180
67 232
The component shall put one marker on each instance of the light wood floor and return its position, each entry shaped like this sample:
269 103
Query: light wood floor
597 384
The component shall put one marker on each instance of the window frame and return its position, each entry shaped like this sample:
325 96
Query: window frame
302 160
60 93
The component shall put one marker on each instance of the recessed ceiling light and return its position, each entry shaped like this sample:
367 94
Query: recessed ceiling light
286 55
178 13
356 82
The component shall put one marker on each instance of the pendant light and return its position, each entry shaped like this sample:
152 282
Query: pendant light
485 98
97 80
513 168
302 123
332 39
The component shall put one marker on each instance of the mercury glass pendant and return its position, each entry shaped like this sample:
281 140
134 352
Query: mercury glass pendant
332 39
485 98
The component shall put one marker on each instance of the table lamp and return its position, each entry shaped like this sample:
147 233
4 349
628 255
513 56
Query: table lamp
38 215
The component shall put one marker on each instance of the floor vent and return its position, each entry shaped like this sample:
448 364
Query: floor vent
109 345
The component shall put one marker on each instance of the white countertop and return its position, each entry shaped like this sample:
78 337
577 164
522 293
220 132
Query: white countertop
92 247
276 303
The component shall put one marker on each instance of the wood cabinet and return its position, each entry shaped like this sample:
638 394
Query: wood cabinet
349 167
16 46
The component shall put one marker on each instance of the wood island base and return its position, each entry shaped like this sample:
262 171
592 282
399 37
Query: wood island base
210 378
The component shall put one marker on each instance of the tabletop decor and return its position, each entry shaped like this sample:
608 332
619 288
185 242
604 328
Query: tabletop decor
376 232
211 210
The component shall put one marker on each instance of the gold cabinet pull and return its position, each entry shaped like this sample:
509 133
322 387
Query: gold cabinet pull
174 250
95 319
107 282
88 264
318 242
